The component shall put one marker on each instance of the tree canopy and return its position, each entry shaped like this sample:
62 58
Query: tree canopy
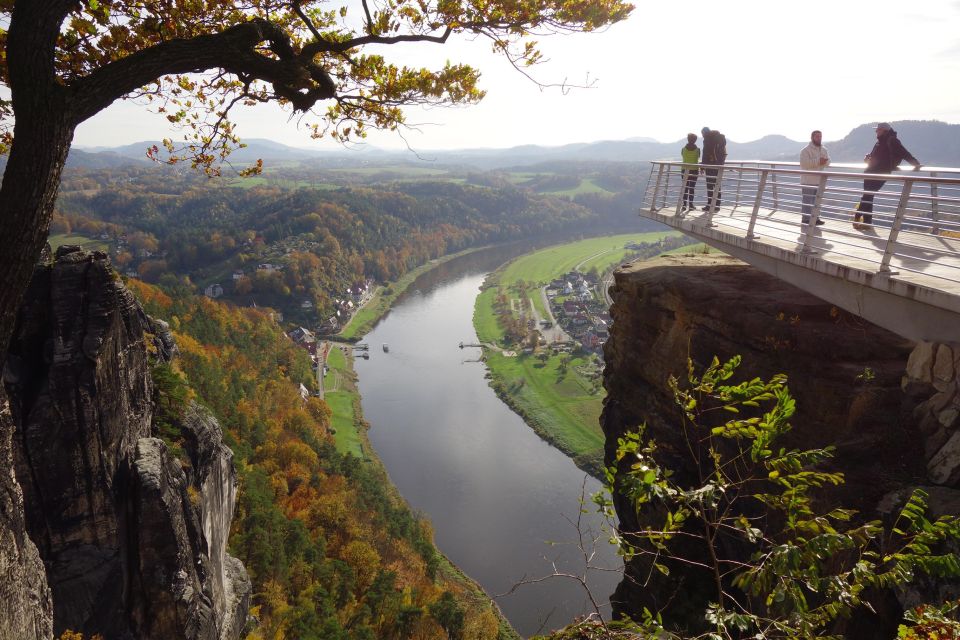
63 61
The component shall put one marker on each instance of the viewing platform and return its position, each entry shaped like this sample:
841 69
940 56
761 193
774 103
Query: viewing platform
902 273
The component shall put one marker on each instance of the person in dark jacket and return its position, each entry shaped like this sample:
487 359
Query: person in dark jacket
885 157
714 153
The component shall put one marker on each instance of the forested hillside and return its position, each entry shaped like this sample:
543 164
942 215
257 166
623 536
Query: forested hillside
333 554
297 248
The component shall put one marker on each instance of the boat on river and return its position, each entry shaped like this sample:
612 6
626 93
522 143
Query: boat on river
386 348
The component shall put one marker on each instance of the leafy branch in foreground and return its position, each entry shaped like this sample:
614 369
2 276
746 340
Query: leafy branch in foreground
734 525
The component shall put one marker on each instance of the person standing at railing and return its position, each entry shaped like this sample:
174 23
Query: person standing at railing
691 169
813 157
886 156
714 153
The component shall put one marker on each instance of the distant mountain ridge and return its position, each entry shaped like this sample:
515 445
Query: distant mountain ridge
931 141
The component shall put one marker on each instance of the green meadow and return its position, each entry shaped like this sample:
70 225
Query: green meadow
87 244
342 398
545 265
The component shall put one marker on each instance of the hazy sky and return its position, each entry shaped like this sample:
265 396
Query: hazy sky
746 67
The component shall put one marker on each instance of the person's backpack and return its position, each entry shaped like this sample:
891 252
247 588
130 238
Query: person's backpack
721 147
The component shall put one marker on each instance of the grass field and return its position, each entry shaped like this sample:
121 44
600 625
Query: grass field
88 244
342 399
562 407
346 436
545 265
424 172
484 320
586 186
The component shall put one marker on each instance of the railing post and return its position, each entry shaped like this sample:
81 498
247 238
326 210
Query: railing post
934 206
814 215
666 190
712 204
756 204
736 196
775 191
684 173
656 189
895 229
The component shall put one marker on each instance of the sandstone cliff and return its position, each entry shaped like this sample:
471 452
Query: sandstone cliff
134 545
27 611
845 374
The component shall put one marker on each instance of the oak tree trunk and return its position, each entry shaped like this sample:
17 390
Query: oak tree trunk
27 196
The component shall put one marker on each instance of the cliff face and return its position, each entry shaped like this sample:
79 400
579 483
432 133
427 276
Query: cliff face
27 611
844 373
133 545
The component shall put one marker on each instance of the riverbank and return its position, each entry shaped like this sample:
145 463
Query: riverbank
481 614
556 389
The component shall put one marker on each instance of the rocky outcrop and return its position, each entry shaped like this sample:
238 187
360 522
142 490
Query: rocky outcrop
932 384
211 471
27 610
844 373
133 545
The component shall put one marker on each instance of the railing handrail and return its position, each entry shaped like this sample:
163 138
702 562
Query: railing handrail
845 165
905 208
907 174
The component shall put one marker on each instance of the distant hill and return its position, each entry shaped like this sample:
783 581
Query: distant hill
933 142
256 148
102 159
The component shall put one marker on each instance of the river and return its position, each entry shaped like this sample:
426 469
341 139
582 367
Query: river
504 504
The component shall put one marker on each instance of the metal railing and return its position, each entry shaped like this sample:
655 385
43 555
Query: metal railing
916 214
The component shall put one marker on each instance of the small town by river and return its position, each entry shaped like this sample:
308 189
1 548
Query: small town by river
504 504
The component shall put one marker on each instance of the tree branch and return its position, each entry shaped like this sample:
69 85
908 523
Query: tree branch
294 77
366 11
320 46
299 11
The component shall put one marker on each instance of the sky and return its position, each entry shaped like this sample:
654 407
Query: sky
746 67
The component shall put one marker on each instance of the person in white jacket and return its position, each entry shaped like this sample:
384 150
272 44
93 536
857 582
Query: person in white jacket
813 158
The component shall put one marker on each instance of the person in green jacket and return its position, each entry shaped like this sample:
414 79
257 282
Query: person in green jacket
691 169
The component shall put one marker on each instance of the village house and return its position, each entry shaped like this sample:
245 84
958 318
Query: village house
330 325
359 289
589 340
213 290
305 339
580 320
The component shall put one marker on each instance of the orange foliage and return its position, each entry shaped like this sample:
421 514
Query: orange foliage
149 295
